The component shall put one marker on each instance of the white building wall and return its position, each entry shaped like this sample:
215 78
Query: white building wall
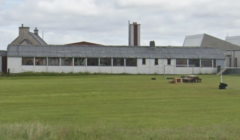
15 66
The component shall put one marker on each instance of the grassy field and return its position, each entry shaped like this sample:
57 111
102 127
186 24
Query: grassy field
118 107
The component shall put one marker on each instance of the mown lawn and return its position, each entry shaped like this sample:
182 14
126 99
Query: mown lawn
129 102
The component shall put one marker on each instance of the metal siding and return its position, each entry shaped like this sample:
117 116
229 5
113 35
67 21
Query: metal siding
131 35
193 40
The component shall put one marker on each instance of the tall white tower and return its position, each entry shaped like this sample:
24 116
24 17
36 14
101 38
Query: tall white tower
134 34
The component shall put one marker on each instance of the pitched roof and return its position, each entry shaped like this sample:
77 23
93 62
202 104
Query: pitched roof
84 43
233 39
114 52
38 38
205 40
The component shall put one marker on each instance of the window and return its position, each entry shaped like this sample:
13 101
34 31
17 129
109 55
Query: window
144 61
53 61
214 63
131 62
66 61
194 62
105 62
156 62
79 61
181 63
40 61
206 63
92 61
27 61
169 61
118 61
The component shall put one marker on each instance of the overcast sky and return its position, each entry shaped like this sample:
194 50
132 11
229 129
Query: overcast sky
106 21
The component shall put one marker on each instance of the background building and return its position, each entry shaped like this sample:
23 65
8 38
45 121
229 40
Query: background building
134 34
233 39
26 37
232 51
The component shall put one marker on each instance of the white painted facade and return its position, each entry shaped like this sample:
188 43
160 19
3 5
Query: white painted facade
15 66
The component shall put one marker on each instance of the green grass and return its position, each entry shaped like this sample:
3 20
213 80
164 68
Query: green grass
118 107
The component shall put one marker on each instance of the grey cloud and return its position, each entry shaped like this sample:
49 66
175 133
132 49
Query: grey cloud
105 21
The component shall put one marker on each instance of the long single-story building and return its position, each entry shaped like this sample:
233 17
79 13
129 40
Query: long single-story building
114 59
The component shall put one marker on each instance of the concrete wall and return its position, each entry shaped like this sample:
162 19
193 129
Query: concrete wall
15 66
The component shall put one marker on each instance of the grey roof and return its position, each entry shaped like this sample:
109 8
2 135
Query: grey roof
3 53
114 52
38 38
205 40
233 39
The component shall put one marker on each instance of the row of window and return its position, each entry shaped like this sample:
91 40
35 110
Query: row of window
188 62
55 61
195 63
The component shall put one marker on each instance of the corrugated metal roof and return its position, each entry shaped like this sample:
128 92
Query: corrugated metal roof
3 53
114 52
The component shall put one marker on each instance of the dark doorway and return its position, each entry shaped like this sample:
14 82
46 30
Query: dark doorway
4 64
